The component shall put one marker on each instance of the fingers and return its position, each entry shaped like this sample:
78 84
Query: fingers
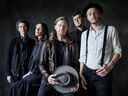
83 79
102 68
53 75
9 79
84 84
103 71
74 89
27 74
52 80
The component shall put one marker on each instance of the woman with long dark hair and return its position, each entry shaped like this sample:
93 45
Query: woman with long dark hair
58 51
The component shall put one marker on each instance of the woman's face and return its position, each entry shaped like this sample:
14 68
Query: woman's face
61 28
39 31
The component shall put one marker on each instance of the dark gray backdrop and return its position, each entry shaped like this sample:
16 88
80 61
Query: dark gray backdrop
47 10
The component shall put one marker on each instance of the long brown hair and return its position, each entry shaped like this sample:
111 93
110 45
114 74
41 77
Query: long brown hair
53 35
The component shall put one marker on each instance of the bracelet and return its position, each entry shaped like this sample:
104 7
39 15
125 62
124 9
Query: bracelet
112 64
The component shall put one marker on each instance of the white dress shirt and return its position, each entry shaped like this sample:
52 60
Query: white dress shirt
95 45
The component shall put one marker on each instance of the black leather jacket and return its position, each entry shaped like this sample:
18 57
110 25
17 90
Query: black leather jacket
49 56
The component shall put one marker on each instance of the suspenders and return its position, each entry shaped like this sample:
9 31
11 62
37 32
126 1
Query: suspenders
104 45
87 44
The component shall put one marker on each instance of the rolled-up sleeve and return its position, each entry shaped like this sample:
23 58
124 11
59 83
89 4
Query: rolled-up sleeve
82 58
116 43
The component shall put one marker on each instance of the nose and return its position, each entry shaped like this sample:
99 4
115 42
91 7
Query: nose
23 28
61 27
77 20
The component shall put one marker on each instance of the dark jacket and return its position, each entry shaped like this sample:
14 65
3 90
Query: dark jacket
76 37
35 57
50 59
18 56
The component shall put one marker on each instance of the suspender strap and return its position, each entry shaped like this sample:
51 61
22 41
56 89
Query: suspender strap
104 45
87 44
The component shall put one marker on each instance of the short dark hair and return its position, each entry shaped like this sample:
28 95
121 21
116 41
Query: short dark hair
23 21
78 12
94 5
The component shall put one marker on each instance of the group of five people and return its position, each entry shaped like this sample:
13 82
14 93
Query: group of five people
93 51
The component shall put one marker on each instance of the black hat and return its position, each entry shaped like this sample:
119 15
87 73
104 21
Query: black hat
78 12
93 5
67 77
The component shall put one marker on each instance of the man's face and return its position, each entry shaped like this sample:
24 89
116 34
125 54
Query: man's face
61 27
39 31
77 19
23 29
93 15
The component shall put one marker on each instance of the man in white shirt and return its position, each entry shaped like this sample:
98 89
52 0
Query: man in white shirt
100 51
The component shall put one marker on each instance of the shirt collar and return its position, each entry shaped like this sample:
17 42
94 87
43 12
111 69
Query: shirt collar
99 27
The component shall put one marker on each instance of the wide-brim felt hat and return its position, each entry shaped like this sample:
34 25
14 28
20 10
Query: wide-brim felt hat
67 77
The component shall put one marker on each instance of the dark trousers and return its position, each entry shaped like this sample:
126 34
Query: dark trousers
47 90
30 85
13 89
25 87
96 85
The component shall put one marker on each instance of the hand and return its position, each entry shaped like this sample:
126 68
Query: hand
9 79
27 74
52 80
74 89
104 70
83 81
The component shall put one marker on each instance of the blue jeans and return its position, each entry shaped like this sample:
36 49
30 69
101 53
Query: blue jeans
96 85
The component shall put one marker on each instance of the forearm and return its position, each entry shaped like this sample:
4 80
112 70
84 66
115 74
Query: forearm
81 68
115 59
43 71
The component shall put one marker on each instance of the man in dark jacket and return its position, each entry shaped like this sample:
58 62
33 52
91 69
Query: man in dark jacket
78 20
18 55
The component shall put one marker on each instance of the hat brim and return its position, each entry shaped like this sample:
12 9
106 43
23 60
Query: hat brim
64 69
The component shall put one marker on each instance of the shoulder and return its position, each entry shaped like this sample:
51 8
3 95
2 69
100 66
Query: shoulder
84 33
72 32
112 29
14 40
46 43
31 41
